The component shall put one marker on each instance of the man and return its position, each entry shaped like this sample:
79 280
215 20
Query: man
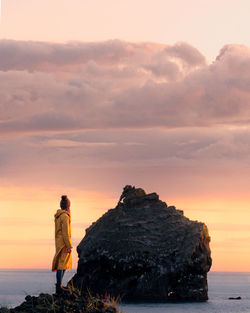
62 259
130 193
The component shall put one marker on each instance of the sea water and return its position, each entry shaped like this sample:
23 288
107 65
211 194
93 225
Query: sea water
16 284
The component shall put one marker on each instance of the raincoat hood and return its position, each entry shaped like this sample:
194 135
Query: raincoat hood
60 212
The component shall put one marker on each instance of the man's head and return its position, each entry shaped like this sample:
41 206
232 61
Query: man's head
127 187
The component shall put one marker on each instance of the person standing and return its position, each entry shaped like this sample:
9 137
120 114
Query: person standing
62 259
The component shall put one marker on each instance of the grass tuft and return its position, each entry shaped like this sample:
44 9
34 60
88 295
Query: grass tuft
70 301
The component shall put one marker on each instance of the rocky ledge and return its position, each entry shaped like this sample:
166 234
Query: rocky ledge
68 302
144 250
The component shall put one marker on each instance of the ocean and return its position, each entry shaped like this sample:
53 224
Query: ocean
16 284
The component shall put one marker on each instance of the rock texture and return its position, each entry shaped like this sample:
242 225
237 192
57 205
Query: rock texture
144 250
68 302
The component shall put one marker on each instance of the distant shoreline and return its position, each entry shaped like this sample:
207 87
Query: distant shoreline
75 269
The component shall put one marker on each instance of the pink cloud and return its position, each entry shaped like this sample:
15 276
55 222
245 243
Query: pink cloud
117 109
118 84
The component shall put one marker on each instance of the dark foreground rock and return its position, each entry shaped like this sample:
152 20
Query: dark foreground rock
66 303
144 250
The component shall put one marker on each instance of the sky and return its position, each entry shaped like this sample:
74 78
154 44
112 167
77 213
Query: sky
95 95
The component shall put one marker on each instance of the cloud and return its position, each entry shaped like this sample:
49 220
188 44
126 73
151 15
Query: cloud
115 109
191 161
186 54
72 144
49 87
32 56
192 147
98 116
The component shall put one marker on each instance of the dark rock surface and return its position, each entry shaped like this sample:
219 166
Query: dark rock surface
144 250
68 302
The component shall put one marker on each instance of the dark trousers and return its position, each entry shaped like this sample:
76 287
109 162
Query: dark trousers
59 276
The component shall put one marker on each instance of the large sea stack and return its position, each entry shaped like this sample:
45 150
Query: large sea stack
144 250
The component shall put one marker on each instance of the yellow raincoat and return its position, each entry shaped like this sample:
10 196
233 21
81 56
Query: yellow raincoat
62 260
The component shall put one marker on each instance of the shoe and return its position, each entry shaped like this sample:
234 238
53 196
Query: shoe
59 289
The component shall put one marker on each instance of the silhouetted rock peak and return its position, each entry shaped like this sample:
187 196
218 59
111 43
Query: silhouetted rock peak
145 250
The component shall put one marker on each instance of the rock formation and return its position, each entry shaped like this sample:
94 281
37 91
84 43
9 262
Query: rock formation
72 301
144 250
66 303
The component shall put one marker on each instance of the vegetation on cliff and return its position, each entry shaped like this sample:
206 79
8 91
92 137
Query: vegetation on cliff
68 302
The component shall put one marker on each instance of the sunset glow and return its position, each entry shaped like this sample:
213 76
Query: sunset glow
28 230
94 99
